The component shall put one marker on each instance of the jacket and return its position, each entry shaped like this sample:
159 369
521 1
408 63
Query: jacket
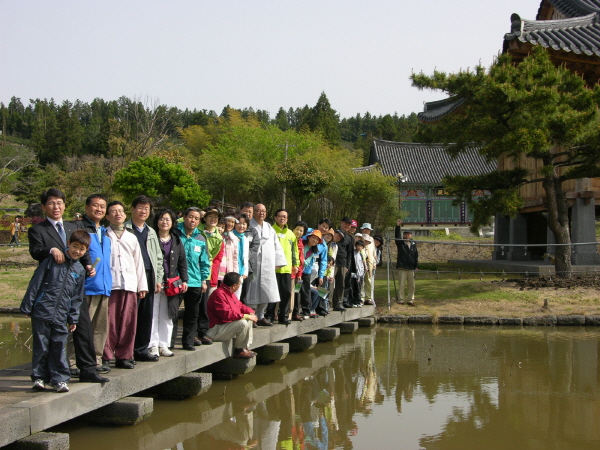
55 292
196 254
101 284
155 253
216 249
126 263
287 239
408 255
224 307
177 261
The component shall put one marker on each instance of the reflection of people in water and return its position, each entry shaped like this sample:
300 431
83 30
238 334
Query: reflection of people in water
235 433
407 375
266 424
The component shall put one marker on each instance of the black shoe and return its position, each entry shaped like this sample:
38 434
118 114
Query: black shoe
323 313
75 373
103 368
206 341
284 322
189 348
93 378
339 308
123 364
147 357
264 322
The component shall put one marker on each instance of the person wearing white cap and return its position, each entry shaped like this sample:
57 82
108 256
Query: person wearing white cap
367 288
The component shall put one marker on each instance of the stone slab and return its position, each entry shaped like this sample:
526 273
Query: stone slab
126 411
450 319
547 321
480 320
347 327
302 343
272 352
592 320
389 318
420 319
366 322
571 320
187 385
327 334
15 424
42 441
233 366
510 321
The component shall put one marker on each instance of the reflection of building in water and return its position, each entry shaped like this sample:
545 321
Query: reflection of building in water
532 385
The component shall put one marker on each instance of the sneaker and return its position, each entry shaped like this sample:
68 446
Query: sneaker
153 351
164 351
39 385
61 387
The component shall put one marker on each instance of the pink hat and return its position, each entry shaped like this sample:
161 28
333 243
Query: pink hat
354 223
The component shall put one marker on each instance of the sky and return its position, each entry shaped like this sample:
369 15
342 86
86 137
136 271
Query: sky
261 54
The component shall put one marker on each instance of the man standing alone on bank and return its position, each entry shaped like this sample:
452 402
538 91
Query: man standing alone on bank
408 260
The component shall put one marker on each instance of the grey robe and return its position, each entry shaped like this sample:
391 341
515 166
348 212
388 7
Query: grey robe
265 254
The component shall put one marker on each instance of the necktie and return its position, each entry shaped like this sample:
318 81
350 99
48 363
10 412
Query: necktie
61 233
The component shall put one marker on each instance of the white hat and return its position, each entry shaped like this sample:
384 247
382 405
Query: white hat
366 225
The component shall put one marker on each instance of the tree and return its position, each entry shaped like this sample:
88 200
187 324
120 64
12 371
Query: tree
324 119
533 112
171 185
13 160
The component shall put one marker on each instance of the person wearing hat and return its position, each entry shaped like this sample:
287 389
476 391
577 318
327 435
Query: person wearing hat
366 229
311 253
357 273
345 246
408 260
266 255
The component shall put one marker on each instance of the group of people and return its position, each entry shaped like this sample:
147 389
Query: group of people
117 284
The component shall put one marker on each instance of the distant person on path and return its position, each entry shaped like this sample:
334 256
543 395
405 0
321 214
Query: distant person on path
229 318
53 300
15 229
408 260
49 239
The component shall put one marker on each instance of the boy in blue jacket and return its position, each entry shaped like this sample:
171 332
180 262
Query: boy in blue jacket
52 300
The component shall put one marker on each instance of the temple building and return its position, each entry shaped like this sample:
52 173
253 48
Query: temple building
419 170
570 30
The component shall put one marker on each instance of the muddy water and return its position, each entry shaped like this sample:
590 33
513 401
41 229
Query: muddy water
404 387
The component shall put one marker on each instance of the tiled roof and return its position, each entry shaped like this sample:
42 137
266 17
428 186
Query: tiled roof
575 8
434 111
364 169
578 32
426 163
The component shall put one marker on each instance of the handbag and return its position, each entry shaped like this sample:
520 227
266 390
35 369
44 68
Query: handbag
173 286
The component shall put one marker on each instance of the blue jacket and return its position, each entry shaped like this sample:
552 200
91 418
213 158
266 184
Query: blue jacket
55 292
196 254
323 253
100 284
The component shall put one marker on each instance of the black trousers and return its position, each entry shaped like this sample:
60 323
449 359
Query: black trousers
83 341
284 285
203 321
191 303
143 330
347 288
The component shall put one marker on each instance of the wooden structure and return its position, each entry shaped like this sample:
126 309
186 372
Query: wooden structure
570 30
419 170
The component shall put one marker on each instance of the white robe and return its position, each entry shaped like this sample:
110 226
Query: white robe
265 254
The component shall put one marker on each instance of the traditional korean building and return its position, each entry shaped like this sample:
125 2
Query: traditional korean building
570 30
419 170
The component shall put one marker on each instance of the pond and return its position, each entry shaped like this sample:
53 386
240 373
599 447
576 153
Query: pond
392 387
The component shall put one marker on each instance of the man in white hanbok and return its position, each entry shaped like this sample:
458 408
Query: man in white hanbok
266 255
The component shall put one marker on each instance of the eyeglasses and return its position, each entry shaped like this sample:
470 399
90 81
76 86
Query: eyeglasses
53 204
143 209
165 219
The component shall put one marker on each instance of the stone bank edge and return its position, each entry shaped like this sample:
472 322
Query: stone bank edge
544 320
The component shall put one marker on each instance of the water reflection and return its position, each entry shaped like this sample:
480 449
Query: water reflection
392 387
15 341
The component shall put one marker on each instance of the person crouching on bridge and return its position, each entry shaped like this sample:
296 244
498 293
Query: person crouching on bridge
229 318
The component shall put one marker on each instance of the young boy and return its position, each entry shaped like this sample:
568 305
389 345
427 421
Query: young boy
53 298
357 273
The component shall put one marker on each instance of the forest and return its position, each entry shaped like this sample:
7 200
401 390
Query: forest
180 158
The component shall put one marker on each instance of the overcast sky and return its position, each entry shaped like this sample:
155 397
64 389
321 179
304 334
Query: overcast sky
264 54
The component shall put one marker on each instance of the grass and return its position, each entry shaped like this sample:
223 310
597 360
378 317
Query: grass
13 284
491 296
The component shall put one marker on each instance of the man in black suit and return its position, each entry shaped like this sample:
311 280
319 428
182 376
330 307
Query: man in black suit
49 239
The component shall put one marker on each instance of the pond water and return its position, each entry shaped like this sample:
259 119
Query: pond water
392 387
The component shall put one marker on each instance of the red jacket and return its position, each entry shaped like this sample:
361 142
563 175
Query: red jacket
224 307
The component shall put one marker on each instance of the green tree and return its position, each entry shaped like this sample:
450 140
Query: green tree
323 119
281 120
171 185
534 112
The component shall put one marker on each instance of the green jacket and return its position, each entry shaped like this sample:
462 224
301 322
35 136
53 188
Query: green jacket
287 239
213 241
155 253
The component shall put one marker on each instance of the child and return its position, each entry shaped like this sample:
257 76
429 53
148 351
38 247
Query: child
311 252
357 273
53 298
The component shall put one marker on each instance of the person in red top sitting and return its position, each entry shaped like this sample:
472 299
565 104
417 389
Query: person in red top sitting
229 318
